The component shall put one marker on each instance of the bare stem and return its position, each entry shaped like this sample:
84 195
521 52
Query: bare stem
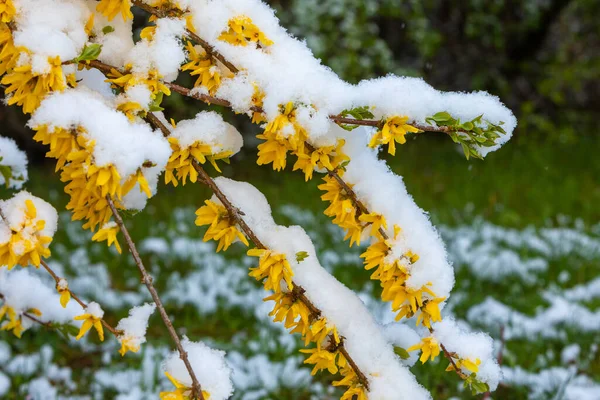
147 280
77 299
73 295
237 216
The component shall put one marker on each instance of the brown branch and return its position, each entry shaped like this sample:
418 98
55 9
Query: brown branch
73 295
106 68
147 280
198 96
237 216
57 279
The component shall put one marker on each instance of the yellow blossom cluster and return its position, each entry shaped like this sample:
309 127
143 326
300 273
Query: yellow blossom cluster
343 210
202 65
394 131
276 273
181 391
126 79
284 134
15 320
24 85
26 244
242 31
221 227
181 163
88 184
392 275
89 321
110 9
7 11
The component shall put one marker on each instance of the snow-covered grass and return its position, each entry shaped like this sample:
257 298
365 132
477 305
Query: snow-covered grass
534 284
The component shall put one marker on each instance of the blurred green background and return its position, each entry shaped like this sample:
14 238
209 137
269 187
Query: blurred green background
542 58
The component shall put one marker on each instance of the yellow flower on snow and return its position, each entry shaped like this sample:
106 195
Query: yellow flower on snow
242 31
430 349
14 322
27 89
181 392
327 157
472 366
322 359
220 228
139 178
26 245
182 158
355 393
430 312
110 9
394 129
9 54
128 344
203 65
62 287
109 233
275 267
7 11
92 318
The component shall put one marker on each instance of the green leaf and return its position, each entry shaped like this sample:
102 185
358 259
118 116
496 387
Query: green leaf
155 105
343 165
363 112
301 256
468 126
6 172
89 53
349 128
476 385
442 117
108 29
465 150
401 352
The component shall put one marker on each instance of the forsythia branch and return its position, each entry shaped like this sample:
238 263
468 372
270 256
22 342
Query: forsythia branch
237 216
147 280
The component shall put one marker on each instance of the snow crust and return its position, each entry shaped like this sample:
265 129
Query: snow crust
14 158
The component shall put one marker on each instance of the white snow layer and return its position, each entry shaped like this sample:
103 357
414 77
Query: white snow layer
15 159
364 338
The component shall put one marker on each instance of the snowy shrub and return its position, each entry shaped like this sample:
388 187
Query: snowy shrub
94 95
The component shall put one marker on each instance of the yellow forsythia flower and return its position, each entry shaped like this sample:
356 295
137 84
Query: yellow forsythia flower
27 89
321 359
242 31
203 65
430 349
472 366
14 322
92 318
281 135
394 130
26 244
181 392
110 9
221 228
327 157
109 233
7 11
128 344
272 266
62 287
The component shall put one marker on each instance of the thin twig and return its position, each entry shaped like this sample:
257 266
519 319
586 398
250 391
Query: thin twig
57 279
147 280
73 295
236 215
